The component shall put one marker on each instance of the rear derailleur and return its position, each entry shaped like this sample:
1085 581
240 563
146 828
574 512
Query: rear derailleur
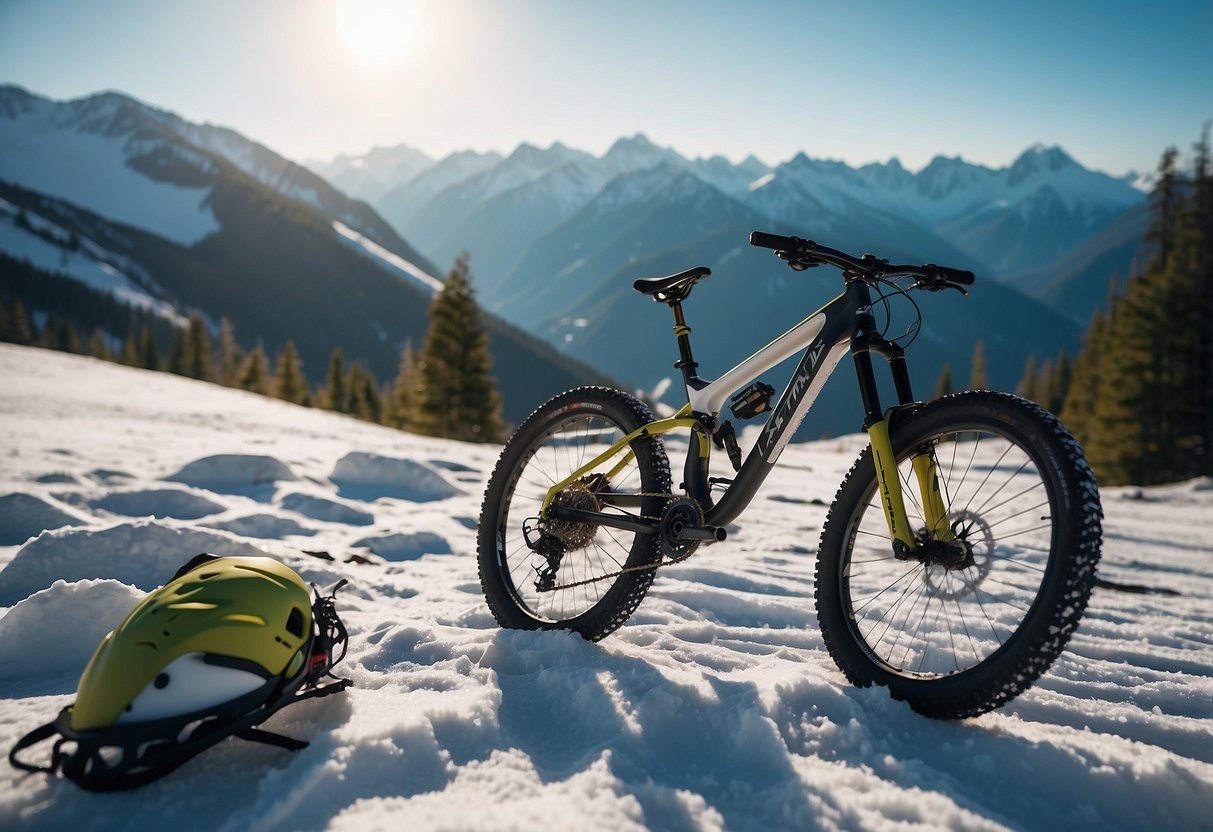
542 542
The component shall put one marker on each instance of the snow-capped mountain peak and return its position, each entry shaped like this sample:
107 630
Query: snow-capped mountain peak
99 153
1036 160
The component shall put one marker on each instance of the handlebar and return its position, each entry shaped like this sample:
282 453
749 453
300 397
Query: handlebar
802 254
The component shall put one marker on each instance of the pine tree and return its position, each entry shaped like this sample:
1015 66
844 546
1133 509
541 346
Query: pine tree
458 396
254 373
289 383
1078 410
60 334
1202 266
199 360
70 337
1164 201
21 325
179 352
944 385
149 350
227 368
1029 385
401 411
130 355
363 393
1060 384
978 378
1045 380
336 393
97 347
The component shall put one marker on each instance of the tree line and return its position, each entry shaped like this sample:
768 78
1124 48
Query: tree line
445 388
1139 394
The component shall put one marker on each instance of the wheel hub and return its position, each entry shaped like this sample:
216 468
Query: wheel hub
955 568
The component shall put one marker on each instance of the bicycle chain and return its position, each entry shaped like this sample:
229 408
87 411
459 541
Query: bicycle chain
630 569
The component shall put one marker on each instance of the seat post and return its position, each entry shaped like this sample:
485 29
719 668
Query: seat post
686 362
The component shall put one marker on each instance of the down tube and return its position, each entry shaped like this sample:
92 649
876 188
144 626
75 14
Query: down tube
815 367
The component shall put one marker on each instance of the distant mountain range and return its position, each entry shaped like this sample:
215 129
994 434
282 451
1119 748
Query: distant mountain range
180 217
1004 222
557 236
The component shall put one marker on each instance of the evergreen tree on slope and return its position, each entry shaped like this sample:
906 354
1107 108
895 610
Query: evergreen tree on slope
458 398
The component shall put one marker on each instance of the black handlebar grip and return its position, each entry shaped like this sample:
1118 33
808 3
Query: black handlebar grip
778 242
958 276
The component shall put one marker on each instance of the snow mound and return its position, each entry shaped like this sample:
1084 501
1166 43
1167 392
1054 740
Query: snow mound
106 476
233 471
23 516
269 526
406 546
165 502
57 479
56 630
370 476
328 511
144 554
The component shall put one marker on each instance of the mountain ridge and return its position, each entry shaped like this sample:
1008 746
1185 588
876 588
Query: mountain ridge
277 265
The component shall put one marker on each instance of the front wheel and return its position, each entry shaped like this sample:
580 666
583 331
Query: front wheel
580 576
973 618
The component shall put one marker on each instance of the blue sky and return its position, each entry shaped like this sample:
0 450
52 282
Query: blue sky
1112 82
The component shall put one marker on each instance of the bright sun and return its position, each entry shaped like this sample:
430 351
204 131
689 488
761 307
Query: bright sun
376 31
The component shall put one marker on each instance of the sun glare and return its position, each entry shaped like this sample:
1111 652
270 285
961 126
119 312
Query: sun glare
375 31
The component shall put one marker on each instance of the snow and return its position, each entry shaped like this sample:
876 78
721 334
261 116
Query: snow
91 265
92 170
394 262
715 707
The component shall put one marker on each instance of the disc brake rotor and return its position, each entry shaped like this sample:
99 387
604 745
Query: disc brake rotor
973 532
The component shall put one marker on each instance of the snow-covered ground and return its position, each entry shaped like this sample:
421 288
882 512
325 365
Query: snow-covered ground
716 706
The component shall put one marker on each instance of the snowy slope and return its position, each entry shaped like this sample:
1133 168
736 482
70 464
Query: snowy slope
715 707
92 154
48 246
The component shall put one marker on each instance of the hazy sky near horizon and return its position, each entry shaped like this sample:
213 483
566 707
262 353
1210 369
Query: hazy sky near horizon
1112 82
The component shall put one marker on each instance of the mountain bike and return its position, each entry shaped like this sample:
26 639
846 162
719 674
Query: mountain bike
955 561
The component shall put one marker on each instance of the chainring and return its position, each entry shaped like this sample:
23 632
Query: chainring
678 514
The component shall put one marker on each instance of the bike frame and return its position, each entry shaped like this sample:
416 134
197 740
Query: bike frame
845 324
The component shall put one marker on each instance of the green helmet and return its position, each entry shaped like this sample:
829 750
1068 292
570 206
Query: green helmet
219 630
213 653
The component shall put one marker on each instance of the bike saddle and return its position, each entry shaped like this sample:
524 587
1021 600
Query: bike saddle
673 288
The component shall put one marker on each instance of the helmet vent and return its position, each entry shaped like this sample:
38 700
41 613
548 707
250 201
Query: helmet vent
245 618
294 622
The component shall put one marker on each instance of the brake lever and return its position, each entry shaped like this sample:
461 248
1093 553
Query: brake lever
937 285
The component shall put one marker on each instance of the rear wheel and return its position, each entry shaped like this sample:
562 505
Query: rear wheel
966 624
569 580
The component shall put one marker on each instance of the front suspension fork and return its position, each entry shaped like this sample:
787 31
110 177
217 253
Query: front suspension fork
892 498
